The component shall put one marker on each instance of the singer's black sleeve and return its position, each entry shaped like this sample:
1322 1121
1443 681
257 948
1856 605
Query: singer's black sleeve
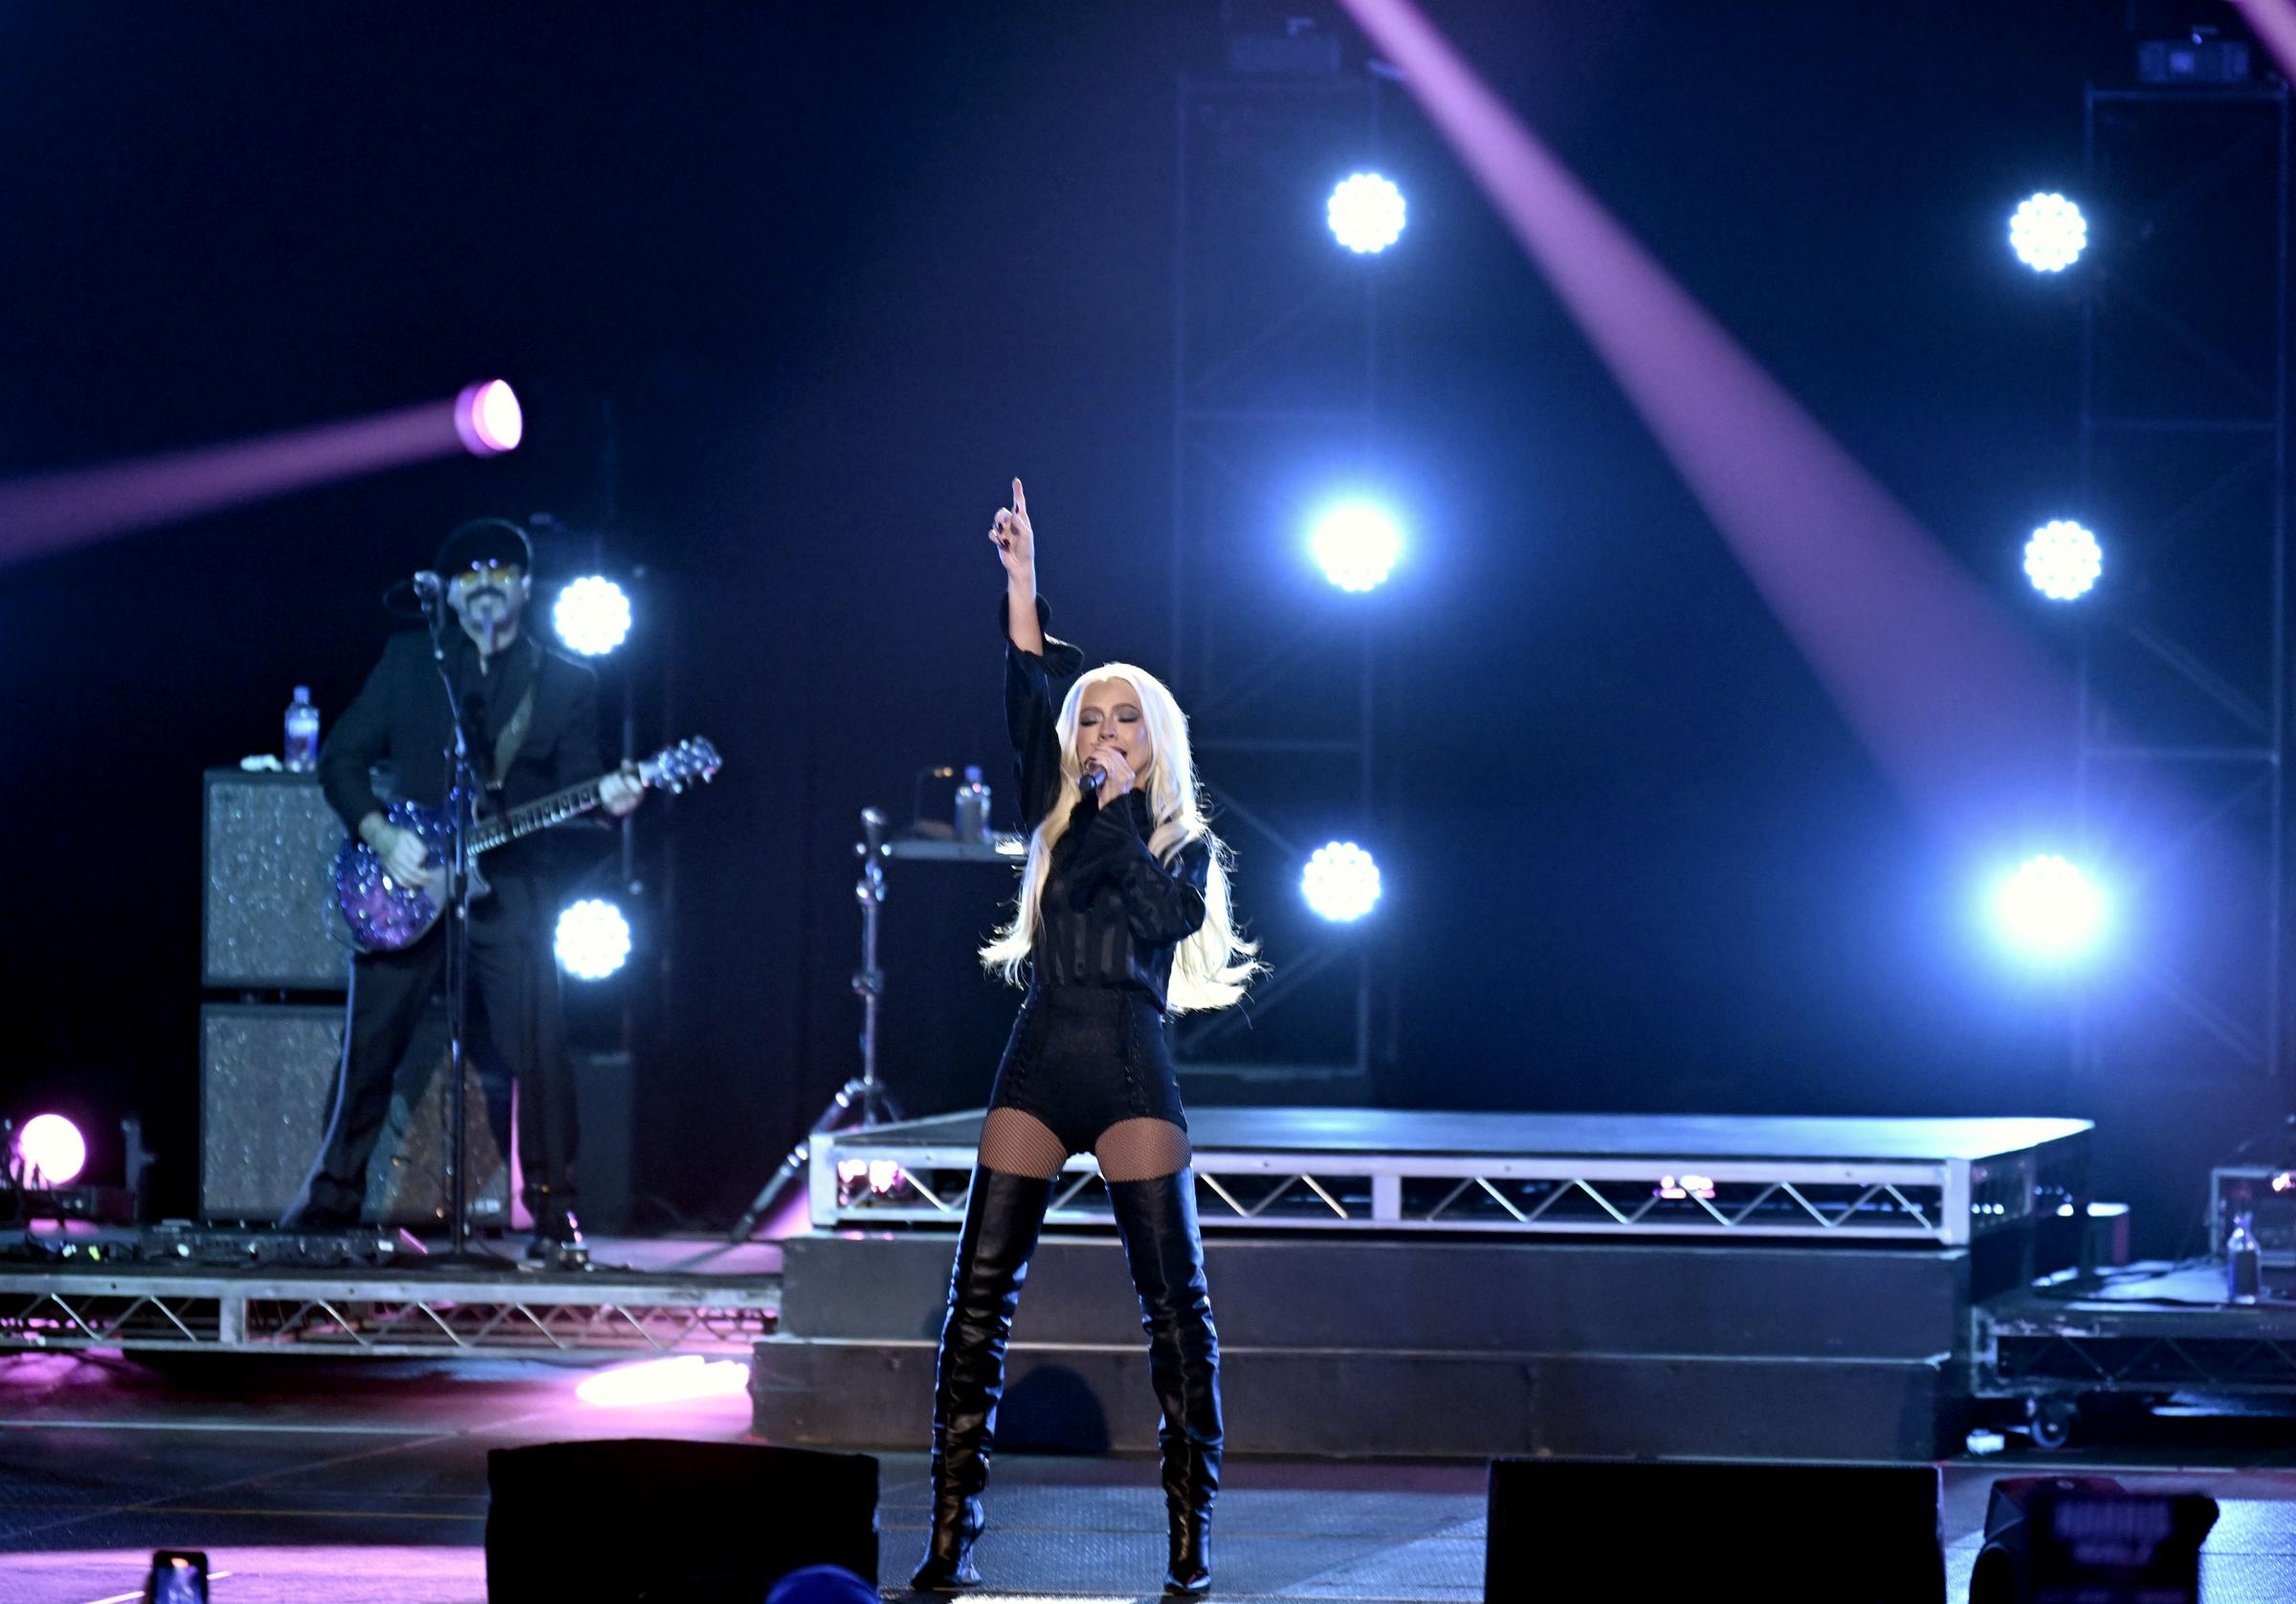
1163 904
1029 715
360 739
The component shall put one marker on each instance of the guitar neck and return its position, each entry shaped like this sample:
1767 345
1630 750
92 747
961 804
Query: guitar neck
553 809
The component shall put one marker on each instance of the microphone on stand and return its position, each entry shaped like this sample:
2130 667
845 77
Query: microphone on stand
412 597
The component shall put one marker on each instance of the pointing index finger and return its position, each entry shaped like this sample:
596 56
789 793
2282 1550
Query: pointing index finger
1020 500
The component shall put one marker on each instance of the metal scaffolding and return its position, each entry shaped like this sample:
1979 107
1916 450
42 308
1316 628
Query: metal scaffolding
2183 466
1274 384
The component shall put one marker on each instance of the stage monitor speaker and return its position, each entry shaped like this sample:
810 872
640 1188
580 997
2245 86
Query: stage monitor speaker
266 1086
710 1523
264 914
1784 1533
2089 1540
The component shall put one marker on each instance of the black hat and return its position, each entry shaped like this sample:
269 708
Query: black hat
485 541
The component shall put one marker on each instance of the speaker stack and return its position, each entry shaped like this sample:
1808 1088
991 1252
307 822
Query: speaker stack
271 1032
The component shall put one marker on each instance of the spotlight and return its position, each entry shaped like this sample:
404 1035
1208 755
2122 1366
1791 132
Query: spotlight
488 418
1341 882
2047 233
1367 213
2062 560
2048 909
592 615
51 1152
594 938
1356 543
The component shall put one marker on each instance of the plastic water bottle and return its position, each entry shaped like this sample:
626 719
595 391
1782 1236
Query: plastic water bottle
2244 1263
972 806
302 733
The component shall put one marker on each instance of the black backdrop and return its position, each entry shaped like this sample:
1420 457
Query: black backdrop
825 278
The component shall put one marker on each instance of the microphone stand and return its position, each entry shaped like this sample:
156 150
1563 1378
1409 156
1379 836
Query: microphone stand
463 800
864 1090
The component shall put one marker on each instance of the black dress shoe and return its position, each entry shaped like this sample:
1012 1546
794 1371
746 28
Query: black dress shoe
558 1239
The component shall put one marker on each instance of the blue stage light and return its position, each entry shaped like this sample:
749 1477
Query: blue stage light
1341 882
1356 543
593 940
2047 907
592 615
2062 560
1367 213
2047 233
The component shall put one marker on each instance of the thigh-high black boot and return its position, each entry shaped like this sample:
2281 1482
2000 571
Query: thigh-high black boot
1164 1249
1002 1221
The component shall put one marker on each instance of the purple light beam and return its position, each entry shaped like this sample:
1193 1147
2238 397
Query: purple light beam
1963 712
51 511
2275 23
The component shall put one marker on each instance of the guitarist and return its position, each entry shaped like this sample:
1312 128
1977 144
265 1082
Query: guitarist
531 727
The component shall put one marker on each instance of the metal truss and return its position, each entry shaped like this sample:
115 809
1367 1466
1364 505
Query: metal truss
385 1317
1274 337
2184 461
1947 1202
2030 1353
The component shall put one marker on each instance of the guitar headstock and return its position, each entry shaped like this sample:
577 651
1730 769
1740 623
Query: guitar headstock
692 762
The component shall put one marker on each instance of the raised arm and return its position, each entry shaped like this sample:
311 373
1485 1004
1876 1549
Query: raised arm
1016 549
1030 657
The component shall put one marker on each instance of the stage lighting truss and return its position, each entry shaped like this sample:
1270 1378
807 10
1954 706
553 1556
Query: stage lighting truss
1941 1201
1365 213
592 615
592 938
2064 559
2047 233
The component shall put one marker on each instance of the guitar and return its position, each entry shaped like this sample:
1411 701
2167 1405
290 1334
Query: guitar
382 915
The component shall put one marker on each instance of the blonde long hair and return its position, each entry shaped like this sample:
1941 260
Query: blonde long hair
1209 969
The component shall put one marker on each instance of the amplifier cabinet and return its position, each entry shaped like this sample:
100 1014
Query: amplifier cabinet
266 1086
264 913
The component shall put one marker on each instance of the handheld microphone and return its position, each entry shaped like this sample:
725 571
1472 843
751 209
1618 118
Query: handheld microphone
1090 780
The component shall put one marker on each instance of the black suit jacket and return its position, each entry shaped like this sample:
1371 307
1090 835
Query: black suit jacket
402 714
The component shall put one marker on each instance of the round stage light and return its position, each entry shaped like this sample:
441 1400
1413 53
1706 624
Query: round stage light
489 419
592 615
1341 882
594 938
2062 560
1367 213
52 1150
1356 544
2047 233
2048 909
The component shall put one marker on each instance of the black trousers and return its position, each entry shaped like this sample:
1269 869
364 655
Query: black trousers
516 1025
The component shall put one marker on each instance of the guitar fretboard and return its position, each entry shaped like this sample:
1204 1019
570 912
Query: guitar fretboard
553 809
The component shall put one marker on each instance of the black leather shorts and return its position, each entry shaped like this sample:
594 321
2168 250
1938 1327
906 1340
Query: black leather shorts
1084 1058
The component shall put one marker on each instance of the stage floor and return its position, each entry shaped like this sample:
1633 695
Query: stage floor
1424 1132
366 1481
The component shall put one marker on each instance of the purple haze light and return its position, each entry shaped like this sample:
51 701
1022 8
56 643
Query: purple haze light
51 1150
1958 707
664 1381
489 419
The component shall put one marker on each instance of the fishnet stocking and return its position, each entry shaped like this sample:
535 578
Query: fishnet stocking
1020 1144
1141 1150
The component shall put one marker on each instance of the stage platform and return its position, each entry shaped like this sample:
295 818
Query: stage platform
1436 1284
1945 1182
166 1289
